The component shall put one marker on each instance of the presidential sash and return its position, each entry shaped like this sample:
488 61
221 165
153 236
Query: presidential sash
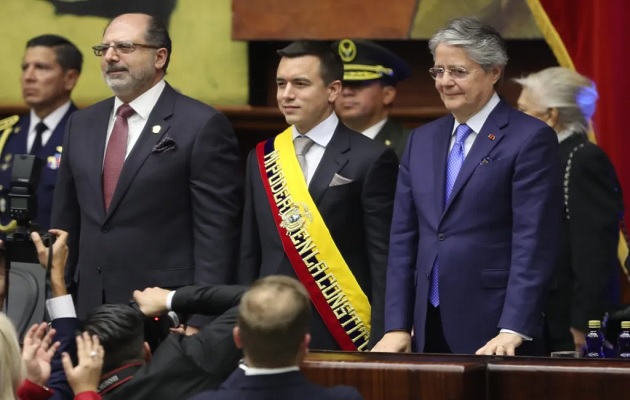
317 262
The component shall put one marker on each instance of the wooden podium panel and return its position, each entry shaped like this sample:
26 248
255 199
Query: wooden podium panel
388 376
557 379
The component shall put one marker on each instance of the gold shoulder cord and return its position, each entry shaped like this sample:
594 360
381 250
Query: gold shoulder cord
6 127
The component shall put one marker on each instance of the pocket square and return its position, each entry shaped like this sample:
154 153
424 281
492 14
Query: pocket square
166 143
339 180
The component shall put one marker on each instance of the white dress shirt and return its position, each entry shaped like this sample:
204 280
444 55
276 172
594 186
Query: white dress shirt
475 123
373 130
142 105
61 307
52 120
320 135
250 371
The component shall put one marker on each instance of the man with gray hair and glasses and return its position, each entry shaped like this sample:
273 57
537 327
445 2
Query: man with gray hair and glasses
477 210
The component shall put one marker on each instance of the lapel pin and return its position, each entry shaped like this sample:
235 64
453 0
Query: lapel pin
156 128
388 142
491 136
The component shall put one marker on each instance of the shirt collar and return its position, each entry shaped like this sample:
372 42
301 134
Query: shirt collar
373 130
321 133
250 371
52 119
476 121
144 103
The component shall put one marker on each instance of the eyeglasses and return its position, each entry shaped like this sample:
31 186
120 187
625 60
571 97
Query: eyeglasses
120 48
455 73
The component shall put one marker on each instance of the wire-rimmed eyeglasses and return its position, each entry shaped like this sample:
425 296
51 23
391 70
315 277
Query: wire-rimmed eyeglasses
120 47
455 72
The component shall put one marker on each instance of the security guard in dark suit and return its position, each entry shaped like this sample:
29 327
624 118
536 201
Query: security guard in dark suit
50 69
371 73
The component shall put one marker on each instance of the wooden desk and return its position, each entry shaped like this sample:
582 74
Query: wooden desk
557 379
380 376
453 377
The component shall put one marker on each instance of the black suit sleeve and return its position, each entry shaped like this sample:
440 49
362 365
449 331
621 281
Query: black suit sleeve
250 252
207 300
595 208
378 202
216 200
65 212
213 348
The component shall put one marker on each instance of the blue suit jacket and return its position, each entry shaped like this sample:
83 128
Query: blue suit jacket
289 386
50 154
494 239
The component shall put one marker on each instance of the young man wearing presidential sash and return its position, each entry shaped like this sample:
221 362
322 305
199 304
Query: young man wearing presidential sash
319 204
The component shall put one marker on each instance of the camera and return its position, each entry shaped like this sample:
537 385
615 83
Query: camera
25 173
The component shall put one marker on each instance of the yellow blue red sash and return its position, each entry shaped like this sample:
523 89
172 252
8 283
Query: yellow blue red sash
317 262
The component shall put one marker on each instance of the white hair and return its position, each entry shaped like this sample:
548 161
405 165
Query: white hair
572 94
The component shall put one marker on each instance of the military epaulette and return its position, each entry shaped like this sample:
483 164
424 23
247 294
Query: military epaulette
8 122
6 127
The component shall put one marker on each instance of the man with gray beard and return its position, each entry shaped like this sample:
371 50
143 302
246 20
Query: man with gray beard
148 186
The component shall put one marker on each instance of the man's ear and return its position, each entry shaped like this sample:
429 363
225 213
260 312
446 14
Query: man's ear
147 352
307 341
389 95
236 333
335 90
71 78
303 351
160 58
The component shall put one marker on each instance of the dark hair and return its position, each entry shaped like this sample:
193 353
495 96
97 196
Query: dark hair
68 55
273 318
157 35
120 329
331 66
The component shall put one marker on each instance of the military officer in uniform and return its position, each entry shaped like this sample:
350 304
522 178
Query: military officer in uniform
50 70
371 73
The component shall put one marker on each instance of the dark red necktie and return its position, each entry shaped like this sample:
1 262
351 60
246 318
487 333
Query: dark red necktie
115 153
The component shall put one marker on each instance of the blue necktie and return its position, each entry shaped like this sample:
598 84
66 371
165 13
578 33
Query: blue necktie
453 165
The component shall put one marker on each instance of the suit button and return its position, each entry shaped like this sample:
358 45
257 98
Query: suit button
105 229
98 269
441 236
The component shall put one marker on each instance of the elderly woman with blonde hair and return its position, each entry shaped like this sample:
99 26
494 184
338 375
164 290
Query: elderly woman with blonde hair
586 283
11 369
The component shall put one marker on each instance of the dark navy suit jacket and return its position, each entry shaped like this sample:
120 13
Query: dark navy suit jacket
67 329
495 240
285 386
